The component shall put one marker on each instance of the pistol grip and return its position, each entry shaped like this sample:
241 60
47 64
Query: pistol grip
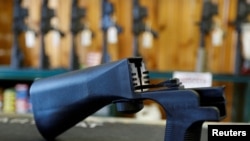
182 109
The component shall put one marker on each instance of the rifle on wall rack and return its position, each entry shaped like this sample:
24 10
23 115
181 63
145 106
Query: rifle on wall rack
19 14
242 65
46 15
139 14
107 22
77 14
209 10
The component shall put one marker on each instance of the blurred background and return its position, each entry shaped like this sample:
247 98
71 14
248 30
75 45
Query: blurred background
175 22
170 35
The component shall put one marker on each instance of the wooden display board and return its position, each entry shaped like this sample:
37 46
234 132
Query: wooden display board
175 48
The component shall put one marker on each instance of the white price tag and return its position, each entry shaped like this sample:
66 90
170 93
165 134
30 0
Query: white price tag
246 41
56 38
93 59
194 79
86 38
147 39
217 36
30 38
112 35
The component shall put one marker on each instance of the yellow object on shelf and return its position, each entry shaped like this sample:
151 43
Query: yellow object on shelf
1 99
9 101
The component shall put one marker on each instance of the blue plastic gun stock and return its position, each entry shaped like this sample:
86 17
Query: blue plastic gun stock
59 102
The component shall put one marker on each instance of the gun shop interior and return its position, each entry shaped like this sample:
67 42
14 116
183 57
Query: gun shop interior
203 43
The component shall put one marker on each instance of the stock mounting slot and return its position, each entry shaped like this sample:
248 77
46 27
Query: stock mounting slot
139 74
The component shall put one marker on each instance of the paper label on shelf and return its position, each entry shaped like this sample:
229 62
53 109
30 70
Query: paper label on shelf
246 41
86 38
93 59
56 38
30 38
217 36
194 79
112 35
147 39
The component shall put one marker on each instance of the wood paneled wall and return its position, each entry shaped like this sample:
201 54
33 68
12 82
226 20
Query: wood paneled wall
174 20
5 30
